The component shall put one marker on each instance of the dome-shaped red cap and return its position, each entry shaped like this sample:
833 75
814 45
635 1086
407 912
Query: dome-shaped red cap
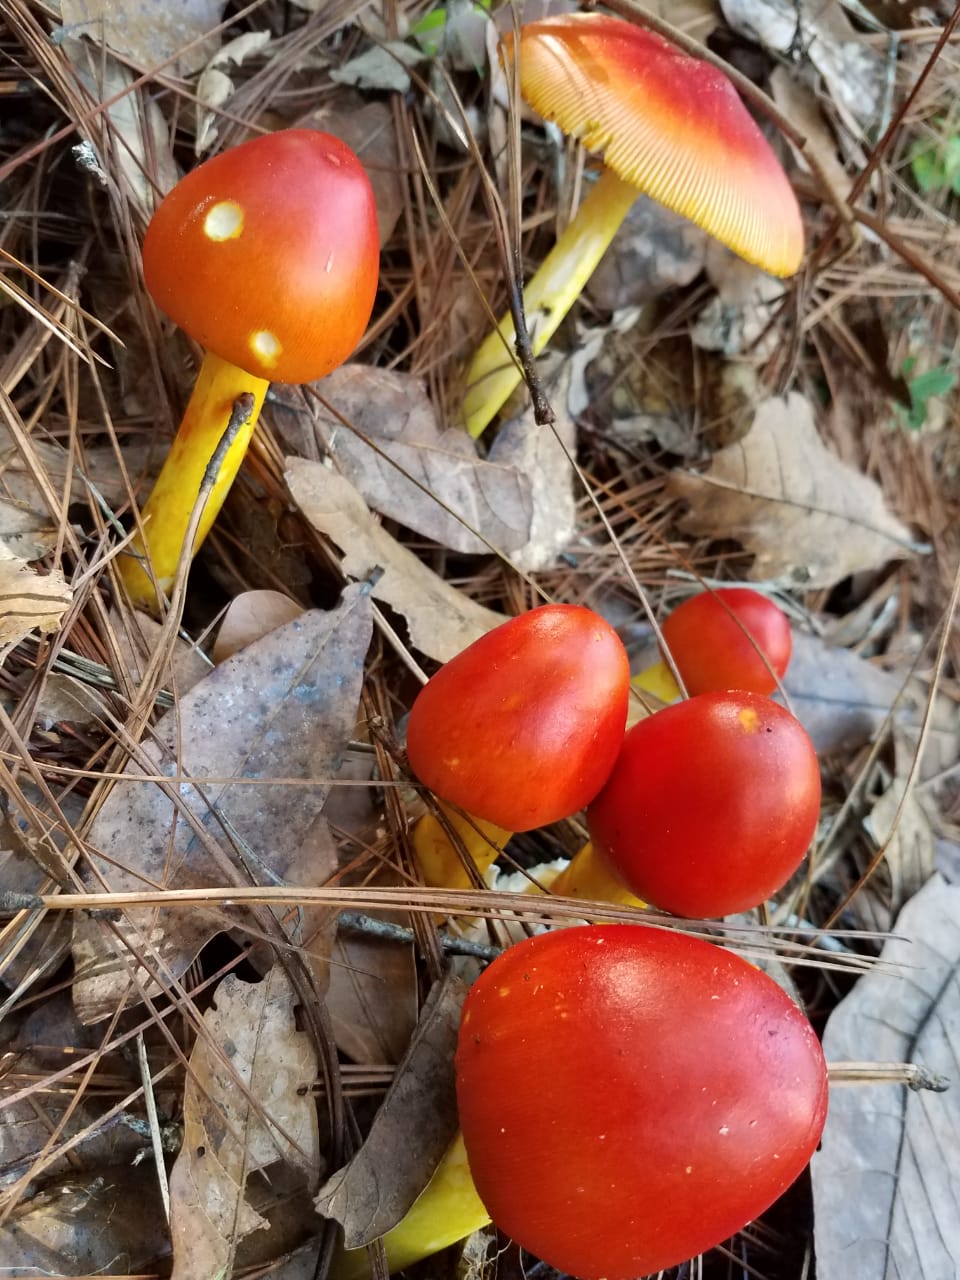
671 125
268 254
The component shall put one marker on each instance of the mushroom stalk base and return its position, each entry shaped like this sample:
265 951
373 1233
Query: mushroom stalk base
659 680
436 856
167 512
447 1210
494 373
587 876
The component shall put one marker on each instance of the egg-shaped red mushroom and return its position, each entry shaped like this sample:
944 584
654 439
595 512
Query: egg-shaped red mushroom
523 726
730 638
711 806
630 1097
268 256
666 124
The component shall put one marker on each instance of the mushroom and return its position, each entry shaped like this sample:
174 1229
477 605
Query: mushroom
268 256
630 1097
711 806
727 638
666 124
518 730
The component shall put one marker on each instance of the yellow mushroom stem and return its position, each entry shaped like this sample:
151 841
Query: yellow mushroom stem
588 877
447 1210
438 860
494 373
166 514
657 679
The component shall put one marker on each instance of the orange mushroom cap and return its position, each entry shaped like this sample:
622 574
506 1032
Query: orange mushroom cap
268 254
671 125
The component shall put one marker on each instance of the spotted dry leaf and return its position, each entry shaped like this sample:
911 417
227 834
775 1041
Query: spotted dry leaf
248 1106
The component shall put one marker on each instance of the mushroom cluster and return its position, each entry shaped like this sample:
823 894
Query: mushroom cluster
714 1087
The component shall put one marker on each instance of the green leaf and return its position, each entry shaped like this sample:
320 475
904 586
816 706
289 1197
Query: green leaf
935 382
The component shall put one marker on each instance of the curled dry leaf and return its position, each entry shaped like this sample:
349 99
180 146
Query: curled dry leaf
808 518
410 1133
406 468
215 86
441 620
29 600
24 535
268 728
247 1106
380 67
140 151
886 1198
853 70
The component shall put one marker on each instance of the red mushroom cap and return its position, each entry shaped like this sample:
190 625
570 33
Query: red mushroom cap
268 254
731 638
671 125
632 1096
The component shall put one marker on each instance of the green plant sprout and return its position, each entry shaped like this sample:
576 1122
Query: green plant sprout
935 162
923 388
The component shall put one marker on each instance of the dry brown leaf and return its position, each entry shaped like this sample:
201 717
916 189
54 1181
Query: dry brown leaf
251 615
141 148
248 1105
910 851
542 454
49 1035
284 708
99 469
653 251
146 32
853 70
441 620
372 997
886 1196
799 103
137 638
698 18
24 534
430 480
410 1132
740 316
381 67
29 600
808 518
215 86
89 1226
842 700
